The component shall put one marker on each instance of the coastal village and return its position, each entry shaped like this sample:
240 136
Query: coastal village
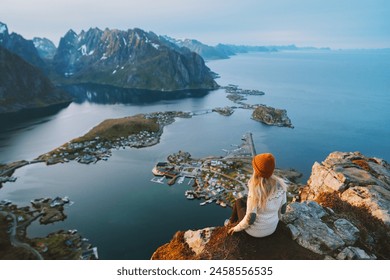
213 179
97 144
58 245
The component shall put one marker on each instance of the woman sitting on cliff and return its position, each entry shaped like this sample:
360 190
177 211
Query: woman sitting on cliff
266 201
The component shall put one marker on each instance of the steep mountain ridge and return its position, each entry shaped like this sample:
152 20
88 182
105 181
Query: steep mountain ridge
23 86
129 59
18 45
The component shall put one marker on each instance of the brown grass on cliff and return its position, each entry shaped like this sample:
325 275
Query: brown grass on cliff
239 246
374 234
177 249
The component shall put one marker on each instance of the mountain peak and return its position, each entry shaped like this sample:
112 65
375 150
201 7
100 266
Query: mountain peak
3 28
70 34
3 32
45 47
18 45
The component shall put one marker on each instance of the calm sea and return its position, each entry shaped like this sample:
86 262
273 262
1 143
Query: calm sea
337 101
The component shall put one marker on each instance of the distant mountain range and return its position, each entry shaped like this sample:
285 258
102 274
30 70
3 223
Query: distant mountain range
129 59
224 51
207 52
126 59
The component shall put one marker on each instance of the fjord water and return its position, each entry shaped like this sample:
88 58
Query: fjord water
337 100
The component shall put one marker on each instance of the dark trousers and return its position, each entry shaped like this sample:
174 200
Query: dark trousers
239 210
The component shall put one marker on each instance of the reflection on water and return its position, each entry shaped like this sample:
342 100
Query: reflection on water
29 134
26 117
102 94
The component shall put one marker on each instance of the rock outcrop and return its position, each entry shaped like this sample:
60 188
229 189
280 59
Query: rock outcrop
324 232
342 213
358 180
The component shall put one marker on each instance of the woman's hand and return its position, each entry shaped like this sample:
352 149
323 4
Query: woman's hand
231 231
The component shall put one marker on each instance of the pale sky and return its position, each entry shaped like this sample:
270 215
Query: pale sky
319 23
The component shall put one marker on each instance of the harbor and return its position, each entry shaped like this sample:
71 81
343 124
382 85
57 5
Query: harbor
213 179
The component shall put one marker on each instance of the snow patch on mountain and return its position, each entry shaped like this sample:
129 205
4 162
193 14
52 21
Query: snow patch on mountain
83 49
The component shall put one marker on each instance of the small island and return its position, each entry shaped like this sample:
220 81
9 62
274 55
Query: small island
261 113
238 95
271 116
235 90
225 111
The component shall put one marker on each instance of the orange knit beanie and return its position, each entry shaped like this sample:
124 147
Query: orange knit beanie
264 165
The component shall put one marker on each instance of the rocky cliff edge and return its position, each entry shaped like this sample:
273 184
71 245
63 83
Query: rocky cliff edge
342 213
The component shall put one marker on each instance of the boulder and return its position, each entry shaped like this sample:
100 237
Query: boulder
198 239
304 220
354 253
327 233
347 231
359 180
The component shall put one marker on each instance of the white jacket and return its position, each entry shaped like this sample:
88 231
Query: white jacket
266 219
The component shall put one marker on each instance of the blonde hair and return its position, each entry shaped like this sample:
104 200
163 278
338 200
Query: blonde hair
260 189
